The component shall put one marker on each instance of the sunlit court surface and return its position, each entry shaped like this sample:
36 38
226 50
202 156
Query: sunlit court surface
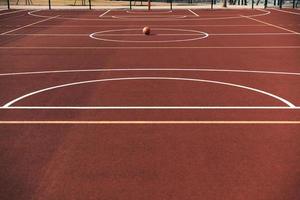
159 100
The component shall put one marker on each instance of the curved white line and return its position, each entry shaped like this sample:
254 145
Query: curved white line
213 18
150 69
202 35
289 104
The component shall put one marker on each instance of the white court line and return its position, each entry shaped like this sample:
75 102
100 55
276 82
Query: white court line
152 47
104 13
151 69
285 11
28 25
193 12
282 100
272 25
131 34
149 108
48 34
149 122
148 17
166 19
99 36
153 26
249 34
134 35
147 12
7 13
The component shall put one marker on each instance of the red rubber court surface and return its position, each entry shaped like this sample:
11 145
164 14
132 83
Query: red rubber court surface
205 107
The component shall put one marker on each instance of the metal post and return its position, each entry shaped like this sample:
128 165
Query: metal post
212 4
171 5
252 4
130 5
149 5
266 3
90 4
49 4
8 4
294 1
280 4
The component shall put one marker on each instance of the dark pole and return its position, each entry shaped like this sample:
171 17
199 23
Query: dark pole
130 6
171 4
252 4
280 4
90 4
266 3
212 4
8 4
294 3
49 3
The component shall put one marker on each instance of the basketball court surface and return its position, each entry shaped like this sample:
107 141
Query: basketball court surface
205 107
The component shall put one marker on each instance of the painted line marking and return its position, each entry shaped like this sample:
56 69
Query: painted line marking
104 13
7 13
250 34
285 11
150 69
147 12
198 35
193 12
149 108
282 100
49 34
35 15
150 122
136 34
28 25
153 26
166 19
150 47
272 25
148 17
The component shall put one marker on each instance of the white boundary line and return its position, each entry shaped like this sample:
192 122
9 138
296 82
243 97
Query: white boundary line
104 13
129 34
147 12
285 11
153 26
193 12
150 122
272 25
148 17
171 19
149 47
7 13
289 104
29 25
149 108
249 34
151 69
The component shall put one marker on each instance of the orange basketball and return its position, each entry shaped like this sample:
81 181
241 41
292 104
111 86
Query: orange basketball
146 30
